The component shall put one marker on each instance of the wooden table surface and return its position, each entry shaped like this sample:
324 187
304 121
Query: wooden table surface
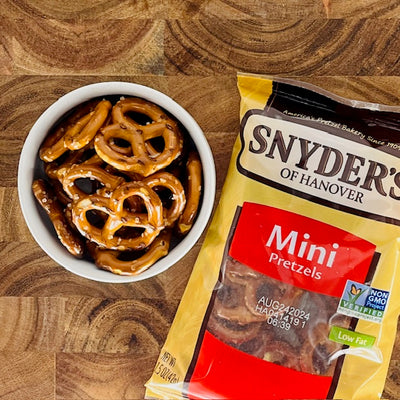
63 337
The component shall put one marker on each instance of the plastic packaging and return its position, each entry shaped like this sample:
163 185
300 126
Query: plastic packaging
294 294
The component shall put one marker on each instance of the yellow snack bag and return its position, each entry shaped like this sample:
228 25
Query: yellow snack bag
294 294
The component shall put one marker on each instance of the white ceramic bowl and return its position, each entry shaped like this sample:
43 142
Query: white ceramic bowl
30 167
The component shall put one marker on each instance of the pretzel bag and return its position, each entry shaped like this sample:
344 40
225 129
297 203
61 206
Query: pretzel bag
295 293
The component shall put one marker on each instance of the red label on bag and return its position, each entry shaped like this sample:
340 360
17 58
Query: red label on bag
223 372
269 320
299 250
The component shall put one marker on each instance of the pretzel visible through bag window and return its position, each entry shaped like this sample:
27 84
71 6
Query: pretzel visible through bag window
275 321
120 177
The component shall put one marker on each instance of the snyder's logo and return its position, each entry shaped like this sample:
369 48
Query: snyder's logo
318 163
331 162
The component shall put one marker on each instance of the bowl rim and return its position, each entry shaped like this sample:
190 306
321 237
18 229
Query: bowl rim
47 240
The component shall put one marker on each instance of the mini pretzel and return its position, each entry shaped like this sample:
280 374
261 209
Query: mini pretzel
118 217
92 171
108 259
282 353
234 311
140 106
80 134
255 346
59 192
170 182
144 160
56 170
232 333
238 273
317 351
79 164
50 204
194 181
54 145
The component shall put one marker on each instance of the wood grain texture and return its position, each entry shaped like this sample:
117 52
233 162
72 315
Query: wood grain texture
26 271
59 46
300 47
63 337
229 9
78 376
27 375
137 327
91 9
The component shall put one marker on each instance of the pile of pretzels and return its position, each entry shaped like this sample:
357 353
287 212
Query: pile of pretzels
122 182
304 345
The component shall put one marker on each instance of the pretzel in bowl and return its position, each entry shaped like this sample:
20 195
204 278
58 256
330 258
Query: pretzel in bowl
118 217
80 134
125 183
76 132
194 180
145 159
178 199
46 198
106 181
126 263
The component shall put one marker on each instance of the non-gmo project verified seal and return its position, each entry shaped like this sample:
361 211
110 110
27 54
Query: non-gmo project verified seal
363 302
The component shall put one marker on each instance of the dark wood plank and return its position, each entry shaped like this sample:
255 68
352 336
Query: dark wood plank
213 101
25 270
13 226
101 376
192 9
85 324
229 10
392 387
48 46
136 327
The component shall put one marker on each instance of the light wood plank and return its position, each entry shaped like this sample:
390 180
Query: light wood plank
27 375
226 9
31 324
302 47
